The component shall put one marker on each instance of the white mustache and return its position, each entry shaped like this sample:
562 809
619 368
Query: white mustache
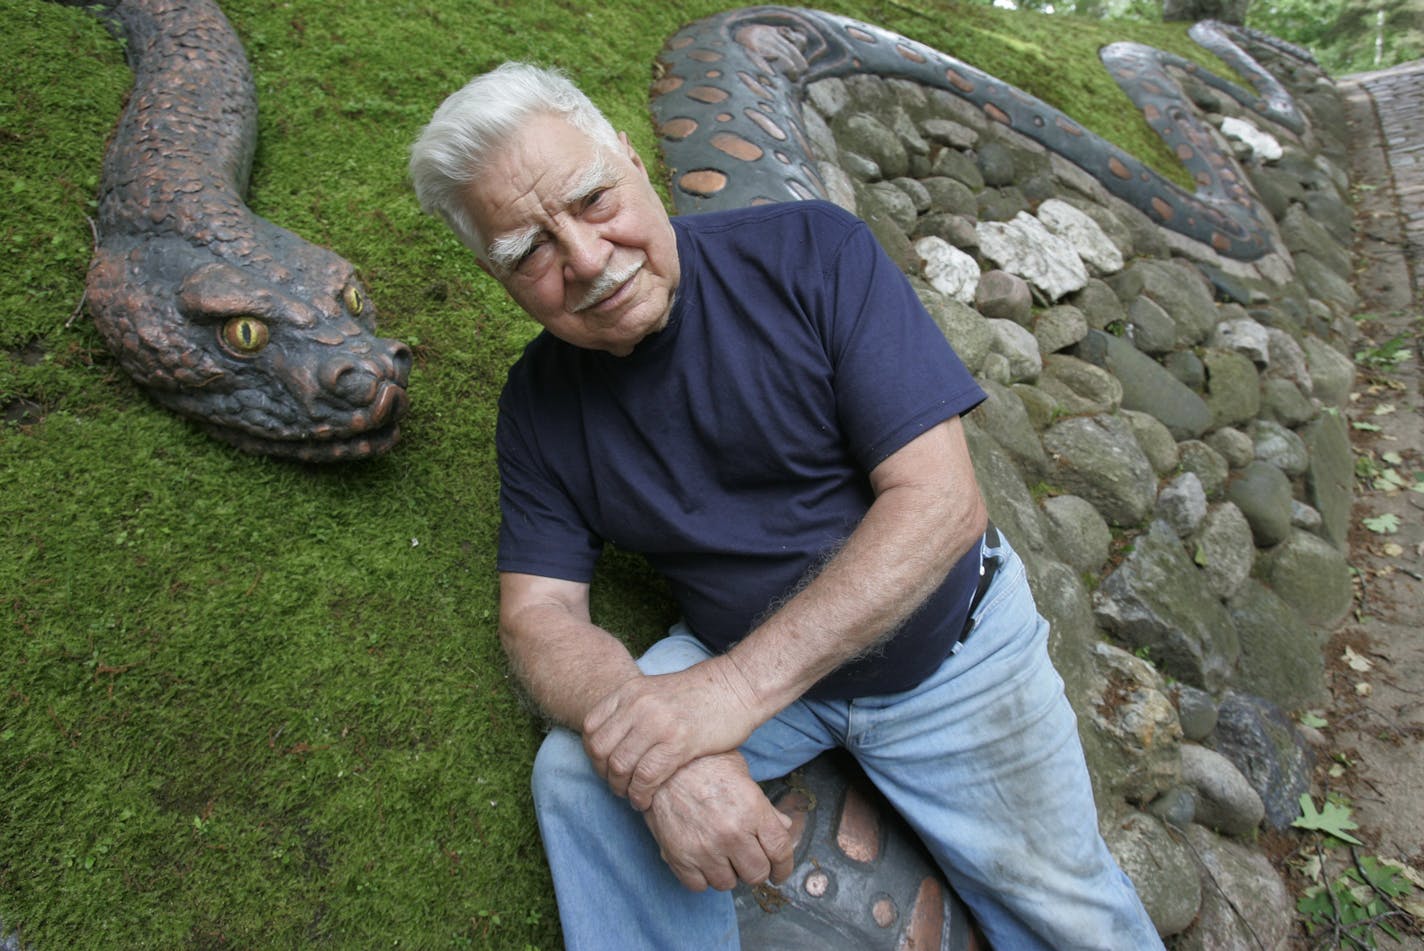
606 283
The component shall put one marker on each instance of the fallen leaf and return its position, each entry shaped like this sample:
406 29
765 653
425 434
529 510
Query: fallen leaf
1386 524
1384 409
1393 550
1357 662
1393 458
1363 689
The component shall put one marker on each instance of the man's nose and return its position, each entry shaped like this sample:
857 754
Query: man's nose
585 253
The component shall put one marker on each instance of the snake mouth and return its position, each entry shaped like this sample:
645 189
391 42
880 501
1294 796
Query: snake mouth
372 432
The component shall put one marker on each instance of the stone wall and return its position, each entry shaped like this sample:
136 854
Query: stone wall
1162 441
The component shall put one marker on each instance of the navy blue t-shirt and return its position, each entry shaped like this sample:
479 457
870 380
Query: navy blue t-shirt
733 447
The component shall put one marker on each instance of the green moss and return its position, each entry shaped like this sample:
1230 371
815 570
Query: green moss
256 704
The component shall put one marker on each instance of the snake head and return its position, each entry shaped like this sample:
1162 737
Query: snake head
276 354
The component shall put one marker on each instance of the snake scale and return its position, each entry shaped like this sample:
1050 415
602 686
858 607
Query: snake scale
265 339
727 105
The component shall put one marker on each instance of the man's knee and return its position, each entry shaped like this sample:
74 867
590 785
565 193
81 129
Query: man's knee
560 766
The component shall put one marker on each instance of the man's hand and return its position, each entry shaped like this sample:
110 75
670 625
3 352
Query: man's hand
651 726
715 826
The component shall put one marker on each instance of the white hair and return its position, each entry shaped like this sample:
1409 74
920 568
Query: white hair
472 125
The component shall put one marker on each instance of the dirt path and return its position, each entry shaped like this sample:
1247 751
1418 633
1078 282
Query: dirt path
1375 755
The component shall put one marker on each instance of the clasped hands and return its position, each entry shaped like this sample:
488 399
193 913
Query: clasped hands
668 743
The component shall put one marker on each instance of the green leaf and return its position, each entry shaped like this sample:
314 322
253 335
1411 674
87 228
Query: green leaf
1386 524
1314 721
1366 427
1333 819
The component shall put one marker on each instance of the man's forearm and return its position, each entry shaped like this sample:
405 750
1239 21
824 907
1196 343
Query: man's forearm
566 664
896 558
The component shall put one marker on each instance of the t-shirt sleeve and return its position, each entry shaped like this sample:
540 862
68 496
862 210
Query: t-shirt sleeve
896 375
541 531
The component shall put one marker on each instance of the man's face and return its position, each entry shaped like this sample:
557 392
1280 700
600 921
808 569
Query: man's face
577 236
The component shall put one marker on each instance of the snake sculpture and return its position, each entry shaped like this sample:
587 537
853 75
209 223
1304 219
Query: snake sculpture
727 105
266 340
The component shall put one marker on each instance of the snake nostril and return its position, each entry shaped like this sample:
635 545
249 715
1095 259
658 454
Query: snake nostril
401 360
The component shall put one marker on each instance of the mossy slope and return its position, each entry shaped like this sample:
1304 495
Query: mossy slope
247 703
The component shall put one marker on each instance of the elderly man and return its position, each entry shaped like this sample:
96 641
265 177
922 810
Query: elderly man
756 401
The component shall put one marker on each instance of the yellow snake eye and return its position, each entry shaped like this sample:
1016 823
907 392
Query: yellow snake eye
351 297
245 335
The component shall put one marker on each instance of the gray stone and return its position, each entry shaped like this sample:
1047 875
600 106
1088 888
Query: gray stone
1305 517
1263 494
1281 658
1225 800
950 195
886 227
1311 575
866 135
1302 234
1233 387
996 164
1098 458
1234 445
1182 504
1001 204
1025 247
1146 386
1155 439
957 230
1175 807
1003 417
1196 712
1059 327
996 368
858 167
1207 463
1150 328
1330 478
918 194
954 164
1132 714
1004 296
1017 345
1326 207
1245 905
839 187
829 96
1099 305
1080 535
1283 401
1277 445
822 139
1188 368
966 331
1042 409
1287 358
1260 739
1180 290
1079 387
1007 498
1331 372
949 132
1224 549
1326 286
948 269
1157 600
894 202
1083 233
1161 868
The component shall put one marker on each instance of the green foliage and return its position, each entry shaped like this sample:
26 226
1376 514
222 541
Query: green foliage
1346 35
1386 356
1333 819
1356 904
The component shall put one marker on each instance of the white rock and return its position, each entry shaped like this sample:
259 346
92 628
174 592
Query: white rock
1245 336
1086 235
948 269
1026 248
1263 145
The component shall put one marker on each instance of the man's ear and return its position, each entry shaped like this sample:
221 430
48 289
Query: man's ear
632 153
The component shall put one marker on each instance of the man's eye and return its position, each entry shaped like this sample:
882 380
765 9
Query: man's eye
530 255
594 198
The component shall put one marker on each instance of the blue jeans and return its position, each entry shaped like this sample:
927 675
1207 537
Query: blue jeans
982 759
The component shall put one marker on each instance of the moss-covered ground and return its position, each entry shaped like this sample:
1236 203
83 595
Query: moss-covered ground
246 703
